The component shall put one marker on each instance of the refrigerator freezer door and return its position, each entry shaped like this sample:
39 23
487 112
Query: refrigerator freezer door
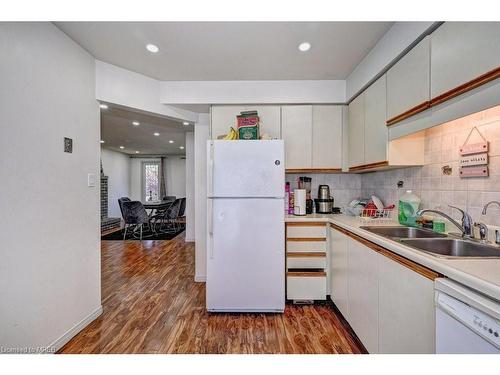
246 169
246 255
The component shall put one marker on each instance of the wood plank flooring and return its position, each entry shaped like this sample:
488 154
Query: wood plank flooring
152 305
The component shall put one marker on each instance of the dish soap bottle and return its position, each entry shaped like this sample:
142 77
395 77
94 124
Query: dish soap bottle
408 206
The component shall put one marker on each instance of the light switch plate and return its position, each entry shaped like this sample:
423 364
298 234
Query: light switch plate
91 180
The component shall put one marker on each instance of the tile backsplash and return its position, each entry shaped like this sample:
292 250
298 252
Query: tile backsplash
343 187
438 190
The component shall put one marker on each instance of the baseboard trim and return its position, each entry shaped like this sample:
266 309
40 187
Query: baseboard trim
64 339
188 239
200 279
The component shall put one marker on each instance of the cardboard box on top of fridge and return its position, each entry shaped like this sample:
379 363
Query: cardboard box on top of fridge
248 125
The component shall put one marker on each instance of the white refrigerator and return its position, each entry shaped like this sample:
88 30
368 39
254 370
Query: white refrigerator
246 229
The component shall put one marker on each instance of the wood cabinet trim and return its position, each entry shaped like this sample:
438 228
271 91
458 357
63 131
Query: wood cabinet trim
450 94
364 167
305 254
424 271
306 224
313 170
306 239
306 274
467 86
411 112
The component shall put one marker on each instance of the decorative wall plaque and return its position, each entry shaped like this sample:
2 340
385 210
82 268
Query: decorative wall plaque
474 157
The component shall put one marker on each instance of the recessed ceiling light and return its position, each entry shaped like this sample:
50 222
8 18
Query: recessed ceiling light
152 48
137 152
185 123
102 141
136 123
156 134
305 46
182 147
170 141
103 106
121 147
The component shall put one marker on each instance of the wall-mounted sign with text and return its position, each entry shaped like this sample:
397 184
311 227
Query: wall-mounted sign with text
474 157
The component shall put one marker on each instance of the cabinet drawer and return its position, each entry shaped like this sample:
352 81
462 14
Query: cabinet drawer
305 246
306 285
306 260
306 231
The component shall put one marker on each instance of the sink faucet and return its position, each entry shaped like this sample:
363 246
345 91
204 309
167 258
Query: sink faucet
465 227
485 208
497 232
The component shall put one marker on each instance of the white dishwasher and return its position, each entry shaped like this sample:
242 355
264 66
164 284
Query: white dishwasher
466 321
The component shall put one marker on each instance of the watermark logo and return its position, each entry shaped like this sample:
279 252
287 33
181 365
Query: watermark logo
27 350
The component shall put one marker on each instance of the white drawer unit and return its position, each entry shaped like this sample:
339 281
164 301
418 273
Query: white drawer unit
306 285
304 246
306 230
306 260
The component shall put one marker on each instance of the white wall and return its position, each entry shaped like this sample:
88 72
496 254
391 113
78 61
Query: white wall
175 168
175 176
50 268
134 90
253 92
116 166
201 135
190 188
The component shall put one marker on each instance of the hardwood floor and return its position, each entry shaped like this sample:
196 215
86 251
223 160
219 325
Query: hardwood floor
152 305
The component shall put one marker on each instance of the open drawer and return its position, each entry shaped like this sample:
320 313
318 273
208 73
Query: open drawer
306 285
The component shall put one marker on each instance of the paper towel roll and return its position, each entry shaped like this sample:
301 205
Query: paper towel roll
299 198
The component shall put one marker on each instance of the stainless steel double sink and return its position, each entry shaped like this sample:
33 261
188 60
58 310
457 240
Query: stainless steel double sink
436 244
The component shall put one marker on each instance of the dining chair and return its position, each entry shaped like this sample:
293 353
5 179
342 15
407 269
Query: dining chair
135 215
120 203
171 217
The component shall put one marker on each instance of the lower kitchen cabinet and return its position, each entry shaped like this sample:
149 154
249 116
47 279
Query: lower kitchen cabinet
388 300
363 294
339 243
406 309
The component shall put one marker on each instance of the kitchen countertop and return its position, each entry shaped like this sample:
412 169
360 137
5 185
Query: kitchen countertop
482 275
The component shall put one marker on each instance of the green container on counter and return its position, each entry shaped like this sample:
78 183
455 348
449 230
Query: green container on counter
408 206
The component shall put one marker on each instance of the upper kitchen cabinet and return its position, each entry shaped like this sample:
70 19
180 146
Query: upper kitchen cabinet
408 83
297 134
313 137
327 136
369 145
375 127
223 117
357 131
464 56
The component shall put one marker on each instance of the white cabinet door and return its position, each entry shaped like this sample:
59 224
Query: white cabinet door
339 271
357 131
376 132
462 51
406 310
223 117
296 129
363 293
327 136
408 81
269 119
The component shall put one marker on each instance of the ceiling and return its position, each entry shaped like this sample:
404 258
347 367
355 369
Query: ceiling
206 51
117 130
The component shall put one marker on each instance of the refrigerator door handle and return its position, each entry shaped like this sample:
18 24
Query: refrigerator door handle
210 228
210 170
